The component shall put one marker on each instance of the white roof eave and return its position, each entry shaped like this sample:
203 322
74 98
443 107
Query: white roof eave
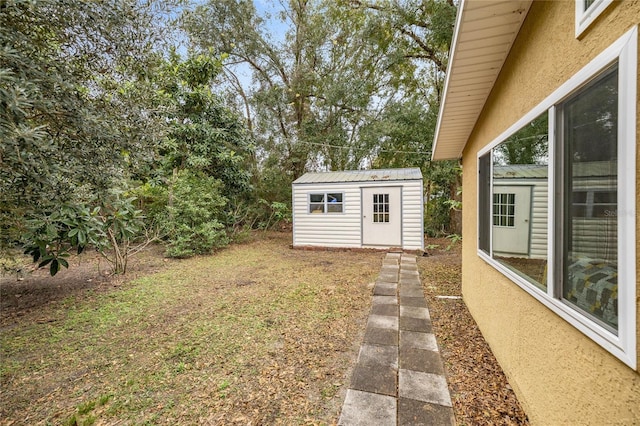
484 33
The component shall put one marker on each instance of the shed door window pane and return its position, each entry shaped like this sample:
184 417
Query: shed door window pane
380 208
504 209
590 250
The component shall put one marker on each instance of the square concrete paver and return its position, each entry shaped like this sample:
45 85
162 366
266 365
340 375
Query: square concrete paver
385 300
411 292
380 380
413 339
418 413
421 360
388 278
414 312
378 355
383 321
415 324
390 310
366 409
410 280
424 387
381 336
413 301
385 289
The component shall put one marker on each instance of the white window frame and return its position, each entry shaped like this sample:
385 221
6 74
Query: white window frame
586 16
623 344
325 202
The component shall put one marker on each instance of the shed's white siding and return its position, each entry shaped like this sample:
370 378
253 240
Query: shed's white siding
412 216
345 229
329 229
539 220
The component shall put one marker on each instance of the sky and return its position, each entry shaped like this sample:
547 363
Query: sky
270 10
276 27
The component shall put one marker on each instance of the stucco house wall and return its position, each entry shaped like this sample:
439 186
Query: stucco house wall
560 375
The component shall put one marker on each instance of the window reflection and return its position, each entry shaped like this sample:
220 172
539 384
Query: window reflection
590 123
520 201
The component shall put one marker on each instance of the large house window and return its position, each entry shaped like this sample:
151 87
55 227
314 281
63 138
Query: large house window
587 11
326 202
588 155
557 200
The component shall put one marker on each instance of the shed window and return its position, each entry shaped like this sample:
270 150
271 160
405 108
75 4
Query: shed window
326 202
587 274
594 203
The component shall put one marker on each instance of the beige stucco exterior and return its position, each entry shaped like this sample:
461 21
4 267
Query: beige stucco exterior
559 375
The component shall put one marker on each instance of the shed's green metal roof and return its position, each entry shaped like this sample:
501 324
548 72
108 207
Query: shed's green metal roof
360 176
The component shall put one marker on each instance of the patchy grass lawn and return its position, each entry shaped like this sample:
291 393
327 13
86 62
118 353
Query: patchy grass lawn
255 334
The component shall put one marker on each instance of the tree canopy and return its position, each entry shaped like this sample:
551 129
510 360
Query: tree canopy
111 110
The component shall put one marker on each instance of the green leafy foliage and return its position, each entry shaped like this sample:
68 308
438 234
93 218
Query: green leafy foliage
71 129
50 236
109 227
204 135
195 214
353 84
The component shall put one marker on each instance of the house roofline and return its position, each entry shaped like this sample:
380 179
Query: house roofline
489 27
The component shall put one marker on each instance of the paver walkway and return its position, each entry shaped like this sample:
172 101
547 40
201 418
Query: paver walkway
399 377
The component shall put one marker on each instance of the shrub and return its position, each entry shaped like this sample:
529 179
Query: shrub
194 215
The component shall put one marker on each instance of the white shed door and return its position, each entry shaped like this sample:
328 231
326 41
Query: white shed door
511 216
382 216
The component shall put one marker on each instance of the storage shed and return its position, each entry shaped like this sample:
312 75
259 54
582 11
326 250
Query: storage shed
359 209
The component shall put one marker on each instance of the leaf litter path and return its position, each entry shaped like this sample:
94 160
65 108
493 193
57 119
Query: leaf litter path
480 392
399 378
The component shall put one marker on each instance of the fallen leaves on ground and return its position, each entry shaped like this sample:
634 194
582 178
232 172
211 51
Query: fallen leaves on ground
480 392
256 334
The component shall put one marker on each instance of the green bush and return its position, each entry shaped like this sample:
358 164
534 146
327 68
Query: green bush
436 217
152 200
195 213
